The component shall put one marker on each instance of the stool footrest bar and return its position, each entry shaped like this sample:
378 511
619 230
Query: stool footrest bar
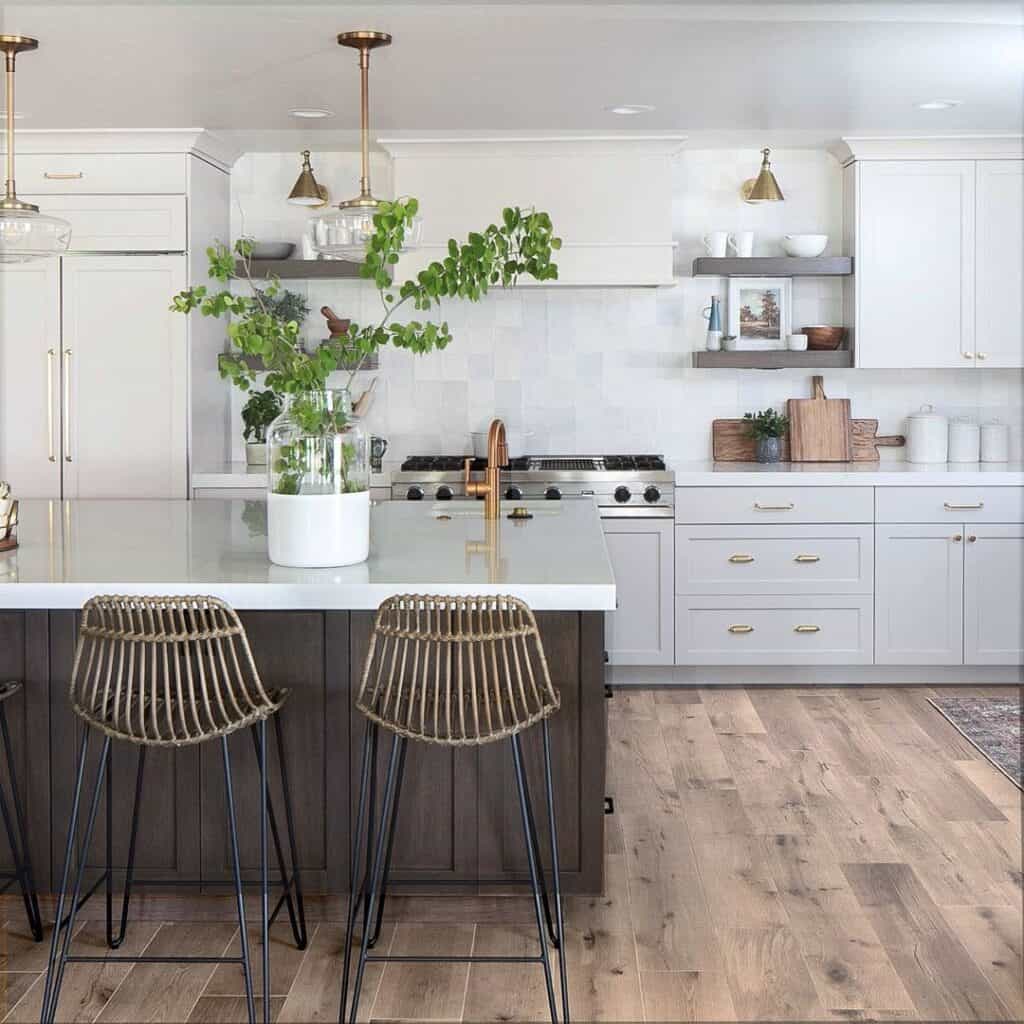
455 959
155 960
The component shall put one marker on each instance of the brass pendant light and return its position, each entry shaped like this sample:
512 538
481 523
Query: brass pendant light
25 233
764 188
307 191
345 231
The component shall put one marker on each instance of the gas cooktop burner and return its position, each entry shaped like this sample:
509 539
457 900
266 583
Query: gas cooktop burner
539 463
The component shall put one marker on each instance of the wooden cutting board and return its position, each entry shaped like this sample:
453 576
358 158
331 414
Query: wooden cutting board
730 443
819 427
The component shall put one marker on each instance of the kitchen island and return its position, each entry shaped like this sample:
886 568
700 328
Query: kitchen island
309 630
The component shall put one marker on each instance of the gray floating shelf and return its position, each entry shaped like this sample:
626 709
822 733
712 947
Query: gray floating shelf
301 270
773 266
780 360
372 363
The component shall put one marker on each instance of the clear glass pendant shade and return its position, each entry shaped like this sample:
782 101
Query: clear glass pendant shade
27 235
344 232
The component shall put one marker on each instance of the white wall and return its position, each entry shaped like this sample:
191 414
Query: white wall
608 369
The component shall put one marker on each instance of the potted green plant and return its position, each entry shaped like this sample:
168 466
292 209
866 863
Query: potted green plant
767 428
318 506
262 408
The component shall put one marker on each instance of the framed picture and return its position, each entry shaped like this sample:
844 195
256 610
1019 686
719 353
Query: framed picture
759 312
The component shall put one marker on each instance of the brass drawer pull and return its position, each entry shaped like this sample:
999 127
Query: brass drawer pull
741 559
951 507
807 629
807 558
63 176
741 629
758 507
957 537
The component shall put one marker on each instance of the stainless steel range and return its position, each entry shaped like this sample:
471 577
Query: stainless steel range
624 486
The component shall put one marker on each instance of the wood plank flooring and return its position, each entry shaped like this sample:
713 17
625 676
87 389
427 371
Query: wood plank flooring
776 854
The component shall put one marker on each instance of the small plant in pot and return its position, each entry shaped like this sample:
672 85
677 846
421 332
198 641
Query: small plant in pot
318 502
258 413
767 428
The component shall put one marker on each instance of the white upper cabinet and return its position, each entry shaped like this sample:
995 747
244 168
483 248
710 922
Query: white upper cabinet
999 294
610 199
915 263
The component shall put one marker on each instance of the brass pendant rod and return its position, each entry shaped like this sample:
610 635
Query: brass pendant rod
9 189
364 132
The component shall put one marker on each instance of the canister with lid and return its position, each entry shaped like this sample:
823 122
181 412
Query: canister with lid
927 436
995 442
964 439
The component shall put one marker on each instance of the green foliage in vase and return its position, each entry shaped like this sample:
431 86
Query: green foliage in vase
767 423
258 413
498 256
287 305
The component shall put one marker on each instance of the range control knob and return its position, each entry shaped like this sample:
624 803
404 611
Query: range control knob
622 495
444 493
513 493
652 494
414 494
553 494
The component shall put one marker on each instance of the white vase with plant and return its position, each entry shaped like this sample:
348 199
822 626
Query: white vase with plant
262 408
318 484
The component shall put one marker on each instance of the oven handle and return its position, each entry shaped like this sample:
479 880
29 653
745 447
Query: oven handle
636 512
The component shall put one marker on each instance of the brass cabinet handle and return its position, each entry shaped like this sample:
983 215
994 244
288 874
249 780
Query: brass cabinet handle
51 357
807 629
741 629
981 355
63 175
741 559
971 538
968 355
773 508
951 507
67 405
957 537
807 558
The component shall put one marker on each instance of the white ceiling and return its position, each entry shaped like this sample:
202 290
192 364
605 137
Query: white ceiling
797 73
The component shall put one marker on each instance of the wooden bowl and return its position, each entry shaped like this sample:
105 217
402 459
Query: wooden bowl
824 339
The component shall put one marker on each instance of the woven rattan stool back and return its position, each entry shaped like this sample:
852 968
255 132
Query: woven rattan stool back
166 671
456 670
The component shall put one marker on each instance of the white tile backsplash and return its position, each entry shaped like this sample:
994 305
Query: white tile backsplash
608 369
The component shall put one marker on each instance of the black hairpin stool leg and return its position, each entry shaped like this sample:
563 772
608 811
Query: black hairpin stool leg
115 941
556 882
18 836
392 825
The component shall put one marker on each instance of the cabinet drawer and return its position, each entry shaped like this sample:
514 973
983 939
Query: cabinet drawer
774 559
950 505
121 223
774 505
47 174
773 631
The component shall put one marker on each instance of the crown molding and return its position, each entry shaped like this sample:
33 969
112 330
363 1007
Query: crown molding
532 145
207 145
929 147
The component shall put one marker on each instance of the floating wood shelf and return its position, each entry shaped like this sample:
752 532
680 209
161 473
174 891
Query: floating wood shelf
780 360
773 266
301 270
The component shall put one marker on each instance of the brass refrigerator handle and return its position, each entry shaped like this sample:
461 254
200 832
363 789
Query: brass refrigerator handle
66 382
51 356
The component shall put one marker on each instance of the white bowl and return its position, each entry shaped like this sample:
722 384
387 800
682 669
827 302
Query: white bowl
804 245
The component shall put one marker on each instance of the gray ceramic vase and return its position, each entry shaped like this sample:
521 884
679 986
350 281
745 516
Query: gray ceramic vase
769 449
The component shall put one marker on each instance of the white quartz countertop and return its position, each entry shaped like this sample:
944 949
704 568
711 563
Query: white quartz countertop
861 474
72 550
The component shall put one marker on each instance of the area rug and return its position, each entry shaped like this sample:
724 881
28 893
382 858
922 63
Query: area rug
992 724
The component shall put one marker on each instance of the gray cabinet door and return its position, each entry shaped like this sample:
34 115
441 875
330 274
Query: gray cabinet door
919 579
994 595
641 631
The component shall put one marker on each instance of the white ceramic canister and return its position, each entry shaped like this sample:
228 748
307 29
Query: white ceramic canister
995 442
927 436
964 439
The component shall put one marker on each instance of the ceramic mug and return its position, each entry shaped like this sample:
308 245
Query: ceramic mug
715 243
742 243
797 343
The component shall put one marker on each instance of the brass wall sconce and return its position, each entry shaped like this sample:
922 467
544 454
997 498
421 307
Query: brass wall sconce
764 188
307 191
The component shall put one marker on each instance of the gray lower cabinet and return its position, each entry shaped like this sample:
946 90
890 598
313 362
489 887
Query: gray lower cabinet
994 595
641 629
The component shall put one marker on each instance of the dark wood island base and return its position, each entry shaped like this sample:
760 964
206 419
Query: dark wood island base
459 815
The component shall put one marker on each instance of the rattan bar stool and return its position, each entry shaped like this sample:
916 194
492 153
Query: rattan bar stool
170 672
456 671
17 835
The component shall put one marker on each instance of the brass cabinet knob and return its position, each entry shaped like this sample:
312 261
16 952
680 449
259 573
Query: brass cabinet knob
957 537
968 355
807 558
741 629
807 629
982 355
741 559
971 538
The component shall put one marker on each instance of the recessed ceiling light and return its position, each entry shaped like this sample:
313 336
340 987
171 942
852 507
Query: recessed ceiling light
630 108
311 113
939 104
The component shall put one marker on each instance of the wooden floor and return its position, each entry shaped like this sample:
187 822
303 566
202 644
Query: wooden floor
784 854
